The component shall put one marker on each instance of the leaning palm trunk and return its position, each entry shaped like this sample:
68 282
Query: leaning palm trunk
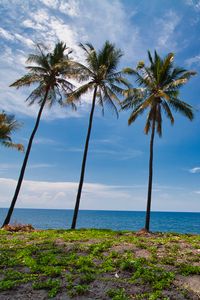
21 176
100 72
148 210
78 198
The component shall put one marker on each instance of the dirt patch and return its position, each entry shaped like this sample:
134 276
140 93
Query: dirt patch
191 283
123 247
24 292
99 288
142 253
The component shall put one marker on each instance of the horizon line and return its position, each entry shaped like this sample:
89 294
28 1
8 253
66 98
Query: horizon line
71 209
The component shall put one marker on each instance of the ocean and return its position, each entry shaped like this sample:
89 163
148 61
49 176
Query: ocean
180 222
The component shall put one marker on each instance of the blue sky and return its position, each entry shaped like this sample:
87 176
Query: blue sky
117 166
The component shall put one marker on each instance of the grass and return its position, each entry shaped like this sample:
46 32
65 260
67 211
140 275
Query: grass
108 264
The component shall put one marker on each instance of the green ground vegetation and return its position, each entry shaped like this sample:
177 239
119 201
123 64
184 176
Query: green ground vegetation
98 264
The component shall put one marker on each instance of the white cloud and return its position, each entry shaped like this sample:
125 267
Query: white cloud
119 153
62 195
166 35
111 140
44 194
5 34
28 24
50 3
6 167
197 192
195 170
41 16
44 141
193 60
71 8
194 3
40 166
63 32
28 42
68 7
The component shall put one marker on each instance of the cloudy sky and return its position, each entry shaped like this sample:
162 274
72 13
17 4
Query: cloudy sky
117 166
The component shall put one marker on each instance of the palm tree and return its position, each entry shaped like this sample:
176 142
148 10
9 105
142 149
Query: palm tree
49 73
103 80
159 83
8 125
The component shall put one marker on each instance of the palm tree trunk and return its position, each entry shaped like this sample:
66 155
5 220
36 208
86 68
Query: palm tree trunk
23 168
78 197
148 210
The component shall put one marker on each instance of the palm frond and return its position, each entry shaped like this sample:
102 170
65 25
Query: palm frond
128 71
179 81
133 97
8 125
176 73
109 97
19 147
26 80
166 68
39 60
124 81
150 57
135 114
167 111
65 85
109 56
87 47
143 81
117 89
37 94
114 75
79 71
140 108
36 69
182 107
79 92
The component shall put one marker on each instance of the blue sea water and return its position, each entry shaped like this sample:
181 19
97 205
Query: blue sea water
181 222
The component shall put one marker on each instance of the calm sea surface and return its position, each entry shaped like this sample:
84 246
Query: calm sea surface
118 220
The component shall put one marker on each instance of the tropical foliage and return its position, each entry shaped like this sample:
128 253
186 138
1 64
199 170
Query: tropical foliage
158 93
104 80
8 125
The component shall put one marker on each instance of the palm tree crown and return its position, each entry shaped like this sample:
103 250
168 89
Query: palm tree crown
100 72
48 72
8 125
159 90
